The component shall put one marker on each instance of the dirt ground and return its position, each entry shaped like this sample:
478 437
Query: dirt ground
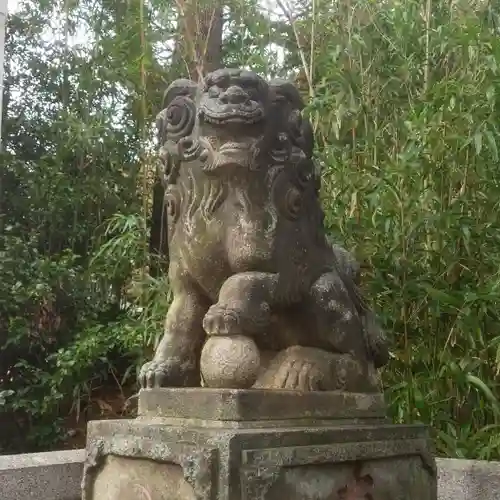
105 403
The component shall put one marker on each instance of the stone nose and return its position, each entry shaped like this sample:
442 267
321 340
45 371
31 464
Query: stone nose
234 95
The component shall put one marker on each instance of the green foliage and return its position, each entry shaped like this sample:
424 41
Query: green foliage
407 114
406 111
74 143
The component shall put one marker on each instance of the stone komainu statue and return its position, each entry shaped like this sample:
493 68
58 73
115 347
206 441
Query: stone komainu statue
249 260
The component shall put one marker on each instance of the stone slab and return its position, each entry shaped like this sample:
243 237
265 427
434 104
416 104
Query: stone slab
238 405
256 464
54 475
468 480
57 476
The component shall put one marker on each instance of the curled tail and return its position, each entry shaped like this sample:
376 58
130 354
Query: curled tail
375 338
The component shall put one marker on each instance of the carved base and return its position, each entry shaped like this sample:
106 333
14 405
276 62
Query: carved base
159 456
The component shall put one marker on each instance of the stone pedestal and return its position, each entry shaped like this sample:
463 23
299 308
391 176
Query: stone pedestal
203 444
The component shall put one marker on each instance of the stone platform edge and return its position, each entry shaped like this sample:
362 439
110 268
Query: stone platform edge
57 475
258 404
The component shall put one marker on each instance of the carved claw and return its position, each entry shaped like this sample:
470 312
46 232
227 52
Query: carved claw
168 373
312 369
153 374
231 320
221 320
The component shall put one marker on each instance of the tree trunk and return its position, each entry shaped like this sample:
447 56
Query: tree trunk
199 46
198 51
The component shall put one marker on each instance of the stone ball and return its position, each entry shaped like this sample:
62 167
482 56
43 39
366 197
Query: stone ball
230 362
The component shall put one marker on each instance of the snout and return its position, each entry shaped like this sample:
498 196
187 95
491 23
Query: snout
234 95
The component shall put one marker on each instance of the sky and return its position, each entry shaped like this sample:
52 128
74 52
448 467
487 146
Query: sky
80 37
12 5
269 5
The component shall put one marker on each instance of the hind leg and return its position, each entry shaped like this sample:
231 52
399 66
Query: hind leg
312 369
336 312
327 343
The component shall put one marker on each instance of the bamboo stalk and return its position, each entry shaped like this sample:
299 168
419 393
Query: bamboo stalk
306 67
428 9
144 163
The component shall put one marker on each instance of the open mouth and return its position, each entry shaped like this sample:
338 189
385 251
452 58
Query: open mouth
230 155
237 147
228 114
234 152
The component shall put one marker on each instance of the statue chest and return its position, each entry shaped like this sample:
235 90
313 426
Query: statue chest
204 255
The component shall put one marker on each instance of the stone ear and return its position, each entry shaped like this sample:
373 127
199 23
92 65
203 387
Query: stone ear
178 114
286 97
180 87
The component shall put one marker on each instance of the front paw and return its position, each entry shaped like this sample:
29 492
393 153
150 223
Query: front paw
229 320
168 373
221 320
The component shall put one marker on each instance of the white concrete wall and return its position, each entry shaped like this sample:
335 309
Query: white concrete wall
54 475
57 476
468 480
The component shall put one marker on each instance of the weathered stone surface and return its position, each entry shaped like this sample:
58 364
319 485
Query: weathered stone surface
261 464
53 475
131 479
385 479
330 460
57 475
230 362
263 304
468 479
258 405
247 248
